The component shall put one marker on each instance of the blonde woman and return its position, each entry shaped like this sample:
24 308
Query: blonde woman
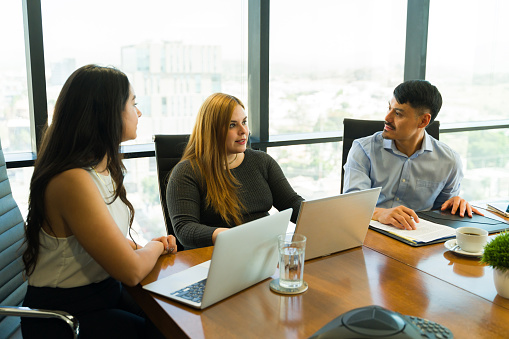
220 183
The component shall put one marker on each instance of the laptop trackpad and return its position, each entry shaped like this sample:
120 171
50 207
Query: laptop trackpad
176 281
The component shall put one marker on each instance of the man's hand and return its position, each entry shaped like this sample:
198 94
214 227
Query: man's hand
457 204
400 217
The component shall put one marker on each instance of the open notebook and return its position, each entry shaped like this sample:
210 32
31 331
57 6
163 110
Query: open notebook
242 256
426 233
437 226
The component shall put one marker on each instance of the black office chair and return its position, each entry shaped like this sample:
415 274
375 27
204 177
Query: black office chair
169 150
356 128
12 285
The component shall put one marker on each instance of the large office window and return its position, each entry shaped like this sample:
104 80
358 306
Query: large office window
143 192
14 104
330 60
485 162
314 171
175 53
467 61
14 107
468 49
333 59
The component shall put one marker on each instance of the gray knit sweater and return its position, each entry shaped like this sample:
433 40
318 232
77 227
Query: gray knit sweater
263 185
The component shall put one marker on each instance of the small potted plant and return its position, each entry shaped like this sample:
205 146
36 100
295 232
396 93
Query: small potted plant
496 255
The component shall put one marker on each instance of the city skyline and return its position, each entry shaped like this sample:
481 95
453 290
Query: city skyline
324 65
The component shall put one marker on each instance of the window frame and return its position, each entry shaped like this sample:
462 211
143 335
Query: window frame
258 89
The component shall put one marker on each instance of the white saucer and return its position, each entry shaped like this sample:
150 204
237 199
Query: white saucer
449 244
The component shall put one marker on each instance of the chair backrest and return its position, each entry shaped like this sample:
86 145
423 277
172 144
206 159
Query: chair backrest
355 129
12 285
169 150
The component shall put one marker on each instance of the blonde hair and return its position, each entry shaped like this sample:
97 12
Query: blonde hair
207 152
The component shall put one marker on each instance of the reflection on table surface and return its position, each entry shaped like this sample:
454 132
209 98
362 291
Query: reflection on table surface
461 271
337 284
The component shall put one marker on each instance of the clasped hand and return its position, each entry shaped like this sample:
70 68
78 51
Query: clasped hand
169 242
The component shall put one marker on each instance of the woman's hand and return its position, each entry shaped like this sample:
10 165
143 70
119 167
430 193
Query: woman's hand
216 232
169 242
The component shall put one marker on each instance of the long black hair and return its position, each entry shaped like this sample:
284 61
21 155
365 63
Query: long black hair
87 125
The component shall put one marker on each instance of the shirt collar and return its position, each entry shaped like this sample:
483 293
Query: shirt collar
427 145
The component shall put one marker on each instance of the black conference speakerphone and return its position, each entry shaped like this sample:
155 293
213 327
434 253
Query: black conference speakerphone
378 322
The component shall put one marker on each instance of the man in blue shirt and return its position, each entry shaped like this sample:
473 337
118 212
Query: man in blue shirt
416 171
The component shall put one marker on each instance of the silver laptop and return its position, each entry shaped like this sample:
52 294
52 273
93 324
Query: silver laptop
337 223
242 256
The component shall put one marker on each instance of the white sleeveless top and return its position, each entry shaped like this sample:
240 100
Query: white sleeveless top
63 262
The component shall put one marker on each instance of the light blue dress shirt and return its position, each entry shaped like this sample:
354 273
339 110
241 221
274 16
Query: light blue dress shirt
422 182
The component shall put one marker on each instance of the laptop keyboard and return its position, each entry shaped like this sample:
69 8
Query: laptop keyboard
192 292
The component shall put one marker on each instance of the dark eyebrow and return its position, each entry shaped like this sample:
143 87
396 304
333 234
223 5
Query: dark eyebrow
399 110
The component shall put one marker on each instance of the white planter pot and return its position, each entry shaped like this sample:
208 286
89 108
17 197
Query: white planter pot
501 278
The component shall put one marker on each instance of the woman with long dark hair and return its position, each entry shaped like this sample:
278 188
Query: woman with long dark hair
219 182
77 251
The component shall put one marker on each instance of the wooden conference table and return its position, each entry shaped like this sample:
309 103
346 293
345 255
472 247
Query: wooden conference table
428 282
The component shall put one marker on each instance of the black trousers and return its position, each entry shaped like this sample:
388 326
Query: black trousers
104 310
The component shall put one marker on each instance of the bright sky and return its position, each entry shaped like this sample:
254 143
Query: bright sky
326 32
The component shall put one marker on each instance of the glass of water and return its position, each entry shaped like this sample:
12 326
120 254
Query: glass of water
291 260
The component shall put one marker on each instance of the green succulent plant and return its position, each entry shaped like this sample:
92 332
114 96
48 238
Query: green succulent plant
496 252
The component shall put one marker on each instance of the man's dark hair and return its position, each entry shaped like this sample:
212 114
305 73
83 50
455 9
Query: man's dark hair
419 94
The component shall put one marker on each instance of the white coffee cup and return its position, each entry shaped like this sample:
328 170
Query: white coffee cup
471 239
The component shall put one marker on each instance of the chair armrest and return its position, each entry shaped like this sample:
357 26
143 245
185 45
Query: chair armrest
36 313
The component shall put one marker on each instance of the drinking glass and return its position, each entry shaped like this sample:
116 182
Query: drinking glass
291 260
